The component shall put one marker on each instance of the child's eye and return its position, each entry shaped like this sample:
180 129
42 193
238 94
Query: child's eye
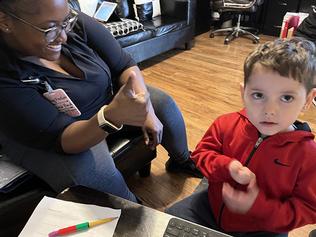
287 98
257 95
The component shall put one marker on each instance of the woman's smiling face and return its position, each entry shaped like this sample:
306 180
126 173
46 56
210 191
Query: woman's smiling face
29 41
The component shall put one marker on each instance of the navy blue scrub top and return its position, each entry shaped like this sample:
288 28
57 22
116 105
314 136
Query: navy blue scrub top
27 117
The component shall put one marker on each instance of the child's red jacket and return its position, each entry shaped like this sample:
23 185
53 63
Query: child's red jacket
285 168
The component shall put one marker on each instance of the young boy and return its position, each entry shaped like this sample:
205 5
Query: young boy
260 162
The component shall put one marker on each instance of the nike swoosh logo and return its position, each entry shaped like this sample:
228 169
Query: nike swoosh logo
278 162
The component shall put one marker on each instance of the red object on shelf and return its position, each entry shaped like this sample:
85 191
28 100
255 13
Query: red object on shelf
284 29
288 23
293 22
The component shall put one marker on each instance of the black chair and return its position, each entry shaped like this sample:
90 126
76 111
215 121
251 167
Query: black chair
130 155
240 7
129 152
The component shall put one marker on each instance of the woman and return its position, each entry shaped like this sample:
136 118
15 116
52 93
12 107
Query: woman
50 53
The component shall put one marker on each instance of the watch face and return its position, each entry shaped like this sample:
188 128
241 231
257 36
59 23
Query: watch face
108 128
105 124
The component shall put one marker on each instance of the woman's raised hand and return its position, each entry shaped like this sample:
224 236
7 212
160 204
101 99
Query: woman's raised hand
127 107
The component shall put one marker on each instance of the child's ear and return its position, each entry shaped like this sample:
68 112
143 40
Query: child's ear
242 90
311 95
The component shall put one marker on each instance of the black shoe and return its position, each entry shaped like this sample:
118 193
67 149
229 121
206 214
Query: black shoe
187 167
312 233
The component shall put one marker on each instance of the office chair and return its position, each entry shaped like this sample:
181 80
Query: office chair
240 7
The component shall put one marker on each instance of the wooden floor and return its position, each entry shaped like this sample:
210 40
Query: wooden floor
204 81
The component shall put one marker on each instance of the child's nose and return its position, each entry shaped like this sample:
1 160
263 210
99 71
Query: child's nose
270 109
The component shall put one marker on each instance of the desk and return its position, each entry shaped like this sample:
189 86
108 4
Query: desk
135 221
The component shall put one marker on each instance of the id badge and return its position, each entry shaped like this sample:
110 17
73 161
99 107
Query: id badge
63 103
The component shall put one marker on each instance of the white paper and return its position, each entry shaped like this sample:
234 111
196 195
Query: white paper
52 214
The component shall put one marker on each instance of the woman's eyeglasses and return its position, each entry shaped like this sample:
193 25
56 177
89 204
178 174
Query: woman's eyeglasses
52 33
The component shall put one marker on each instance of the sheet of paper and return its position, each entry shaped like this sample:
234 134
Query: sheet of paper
52 214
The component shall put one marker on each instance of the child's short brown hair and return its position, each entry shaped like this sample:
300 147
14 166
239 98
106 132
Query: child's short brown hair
294 58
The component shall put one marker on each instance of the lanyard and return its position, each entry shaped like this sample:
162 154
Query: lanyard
35 80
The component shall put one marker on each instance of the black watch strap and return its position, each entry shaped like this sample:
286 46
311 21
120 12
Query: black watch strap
106 125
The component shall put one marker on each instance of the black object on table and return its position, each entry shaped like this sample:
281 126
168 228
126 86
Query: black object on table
181 228
135 220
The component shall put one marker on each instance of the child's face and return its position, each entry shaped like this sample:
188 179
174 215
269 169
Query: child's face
273 102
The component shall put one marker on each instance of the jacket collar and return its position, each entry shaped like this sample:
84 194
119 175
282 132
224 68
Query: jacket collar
302 133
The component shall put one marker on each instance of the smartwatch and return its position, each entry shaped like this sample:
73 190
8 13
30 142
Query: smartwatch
106 125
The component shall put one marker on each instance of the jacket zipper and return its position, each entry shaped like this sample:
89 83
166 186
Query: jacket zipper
258 142
260 139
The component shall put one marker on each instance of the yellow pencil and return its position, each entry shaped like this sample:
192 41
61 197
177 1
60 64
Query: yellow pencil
80 227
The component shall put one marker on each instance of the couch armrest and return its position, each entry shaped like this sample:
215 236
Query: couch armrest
171 8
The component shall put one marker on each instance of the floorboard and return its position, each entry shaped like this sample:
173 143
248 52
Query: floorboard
204 81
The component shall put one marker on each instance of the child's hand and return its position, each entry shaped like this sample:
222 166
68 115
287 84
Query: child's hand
240 173
240 201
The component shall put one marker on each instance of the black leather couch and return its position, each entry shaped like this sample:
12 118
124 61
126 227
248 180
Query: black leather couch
173 29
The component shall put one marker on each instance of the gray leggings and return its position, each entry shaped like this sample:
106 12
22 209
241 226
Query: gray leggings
196 208
95 168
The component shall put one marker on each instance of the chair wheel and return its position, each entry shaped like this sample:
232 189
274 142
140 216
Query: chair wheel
226 41
212 35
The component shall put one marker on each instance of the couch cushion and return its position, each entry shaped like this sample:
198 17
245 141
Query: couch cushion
134 38
164 24
124 27
156 10
143 10
124 8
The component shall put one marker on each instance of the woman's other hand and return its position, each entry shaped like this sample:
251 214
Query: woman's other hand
127 107
152 127
152 130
